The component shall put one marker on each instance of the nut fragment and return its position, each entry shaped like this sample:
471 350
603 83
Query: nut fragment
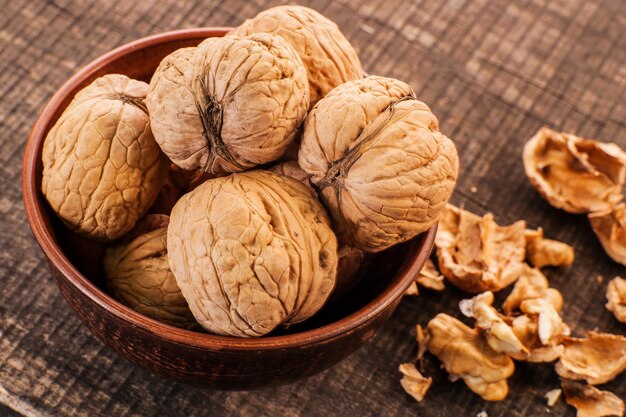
589 401
137 274
378 161
597 359
531 284
102 168
552 396
616 298
547 252
413 382
229 104
252 251
329 58
527 331
498 333
574 174
428 277
477 255
465 354
610 227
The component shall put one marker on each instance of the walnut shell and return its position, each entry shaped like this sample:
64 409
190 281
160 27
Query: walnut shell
350 258
137 274
574 174
102 168
475 254
329 58
378 161
589 401
610 227
616 298
229 104
252 251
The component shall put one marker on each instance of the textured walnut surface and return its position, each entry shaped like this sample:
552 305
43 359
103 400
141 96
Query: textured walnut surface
329 58
229 241
102 167
229 104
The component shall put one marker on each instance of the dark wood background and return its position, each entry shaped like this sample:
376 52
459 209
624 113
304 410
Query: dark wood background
493 72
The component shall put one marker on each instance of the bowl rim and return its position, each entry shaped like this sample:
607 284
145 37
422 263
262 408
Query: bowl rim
34 212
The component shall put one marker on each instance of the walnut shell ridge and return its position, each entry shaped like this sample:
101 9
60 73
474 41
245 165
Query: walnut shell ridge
102 168
229 104
378 161
329 58
252 251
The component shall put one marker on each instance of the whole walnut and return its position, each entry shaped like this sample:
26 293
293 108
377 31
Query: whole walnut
329 58
252 251
378 161
102 168
138 275
229 104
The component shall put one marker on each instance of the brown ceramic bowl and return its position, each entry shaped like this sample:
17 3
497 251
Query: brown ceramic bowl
195 357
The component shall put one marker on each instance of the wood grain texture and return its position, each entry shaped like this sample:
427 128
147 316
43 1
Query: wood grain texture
493 71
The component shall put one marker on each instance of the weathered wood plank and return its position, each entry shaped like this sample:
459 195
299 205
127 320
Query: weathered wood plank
493 72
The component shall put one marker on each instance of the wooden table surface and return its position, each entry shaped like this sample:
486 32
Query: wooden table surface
493 71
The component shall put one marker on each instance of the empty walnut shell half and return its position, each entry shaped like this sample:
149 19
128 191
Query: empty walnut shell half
252 251
597 359
329 58
102 168
575 174
378 161
137 274
610 227
475 254
229 104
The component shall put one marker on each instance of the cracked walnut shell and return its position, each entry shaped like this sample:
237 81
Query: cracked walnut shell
616 298
102 168
575 174
610 227
137 274
466 354
597 359
229 104
476 254
589 401
252 251
329 58
378 161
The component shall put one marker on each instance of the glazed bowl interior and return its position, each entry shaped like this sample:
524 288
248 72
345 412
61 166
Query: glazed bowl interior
79 261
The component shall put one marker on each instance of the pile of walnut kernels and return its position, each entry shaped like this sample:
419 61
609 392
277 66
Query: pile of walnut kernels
245 185
481 257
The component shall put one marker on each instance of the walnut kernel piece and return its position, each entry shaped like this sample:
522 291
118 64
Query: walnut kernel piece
465 354
137 273
597 359
229 104
589 401
428 277
379 163
527 331
498 333
252 251
413 382
616 298
531 284
542 252
610 227
102 168
574 174
329 58
477 255
552 396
